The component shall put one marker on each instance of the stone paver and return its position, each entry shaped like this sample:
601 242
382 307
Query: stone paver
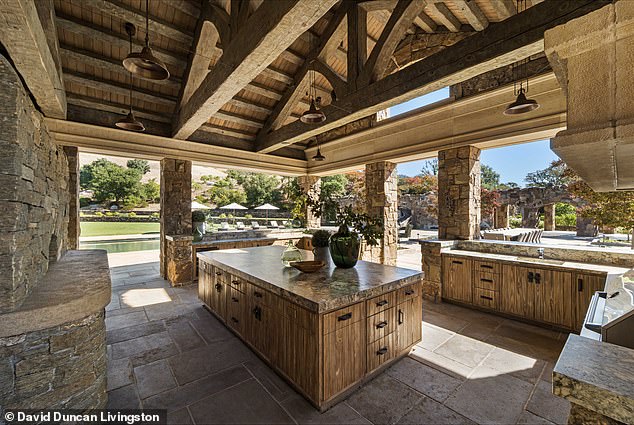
172 354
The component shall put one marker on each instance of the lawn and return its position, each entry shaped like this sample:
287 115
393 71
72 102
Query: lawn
118 228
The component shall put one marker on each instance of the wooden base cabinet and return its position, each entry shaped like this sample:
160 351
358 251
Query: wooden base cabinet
324 356
456 283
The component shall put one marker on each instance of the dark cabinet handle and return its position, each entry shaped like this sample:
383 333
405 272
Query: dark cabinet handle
485 266
484 297
401 317
486 280
235 282
580 285
538 278
234 299
382 303
344 317
382 351
234 320
381 325
409 292
530 277
218 287
257 312
218 273
456 262
257 294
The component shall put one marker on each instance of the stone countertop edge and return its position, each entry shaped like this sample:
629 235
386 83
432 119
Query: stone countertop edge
223 241
176 238
598 376
534 262
76 286
321 307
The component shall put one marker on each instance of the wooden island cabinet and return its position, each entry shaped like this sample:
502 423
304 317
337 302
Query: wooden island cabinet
325 332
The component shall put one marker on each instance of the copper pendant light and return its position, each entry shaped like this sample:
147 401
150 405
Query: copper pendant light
318 156
144 64
313 115
130 122
521 105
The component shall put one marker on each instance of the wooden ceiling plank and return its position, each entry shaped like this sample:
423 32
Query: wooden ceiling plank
241 102
425 23
504 8
238 119
445 16
270 30
115 107
501 44
472 14
374 5
238 134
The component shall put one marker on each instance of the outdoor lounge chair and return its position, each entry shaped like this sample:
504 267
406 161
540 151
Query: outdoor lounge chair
286 224
274 225
255 225
239 225
224 226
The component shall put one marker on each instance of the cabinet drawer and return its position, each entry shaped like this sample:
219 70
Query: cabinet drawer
381 351
343 317
259 295
488 281
486 266
485 298
237 282
381 324
299 316
408 292
381 303
236 309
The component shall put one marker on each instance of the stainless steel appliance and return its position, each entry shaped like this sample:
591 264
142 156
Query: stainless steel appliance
610 317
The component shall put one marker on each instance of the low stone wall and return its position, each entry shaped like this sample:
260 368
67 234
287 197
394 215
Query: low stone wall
178 260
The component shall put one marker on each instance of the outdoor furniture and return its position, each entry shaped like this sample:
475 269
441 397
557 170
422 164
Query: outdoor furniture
274 225
240 225
286 224
224 226
255 225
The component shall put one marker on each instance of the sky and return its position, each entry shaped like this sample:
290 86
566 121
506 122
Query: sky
511 162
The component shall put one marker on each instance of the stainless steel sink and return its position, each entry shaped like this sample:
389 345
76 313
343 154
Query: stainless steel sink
541 260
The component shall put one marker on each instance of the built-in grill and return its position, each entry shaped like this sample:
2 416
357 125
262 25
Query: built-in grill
610 317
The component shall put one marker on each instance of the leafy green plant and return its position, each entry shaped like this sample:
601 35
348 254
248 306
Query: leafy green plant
98 214
321 238
131 214
223 215
155 215
198 216
248 216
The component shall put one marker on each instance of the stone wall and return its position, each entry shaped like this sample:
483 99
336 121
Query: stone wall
74 229
419 206
34 193
459 193
381 181
55 368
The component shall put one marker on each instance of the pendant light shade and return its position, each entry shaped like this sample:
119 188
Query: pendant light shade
318 156
130 123
144 64
312 115
521 105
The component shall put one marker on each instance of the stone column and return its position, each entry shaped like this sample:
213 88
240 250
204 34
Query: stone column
549 217
381 181
72 154
502 216
310 186
176 218
586 227
459 193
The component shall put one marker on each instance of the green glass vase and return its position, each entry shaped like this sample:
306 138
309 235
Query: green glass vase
344 248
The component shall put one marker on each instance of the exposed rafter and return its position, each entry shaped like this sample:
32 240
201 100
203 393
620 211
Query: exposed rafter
425 23
501 44
504 8
117 108
473 14
337 81
445 16
357 43
268 32
238 119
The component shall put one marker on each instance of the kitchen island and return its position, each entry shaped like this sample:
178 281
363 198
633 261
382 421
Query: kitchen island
325 332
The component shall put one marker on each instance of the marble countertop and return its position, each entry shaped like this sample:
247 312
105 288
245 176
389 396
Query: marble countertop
529 261
327 289
598 376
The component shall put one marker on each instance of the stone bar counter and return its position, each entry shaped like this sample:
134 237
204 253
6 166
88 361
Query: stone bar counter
325 332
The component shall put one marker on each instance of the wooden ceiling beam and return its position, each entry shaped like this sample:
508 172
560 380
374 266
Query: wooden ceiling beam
187 7
445 16
232 132
117 108
126 13
425 23
24 38
472 14
123 89
238 119
504 8
500 44
357 43
400 21
241 102
270 30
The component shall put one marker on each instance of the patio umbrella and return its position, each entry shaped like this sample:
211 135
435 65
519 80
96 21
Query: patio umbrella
267 207
234 206
198 206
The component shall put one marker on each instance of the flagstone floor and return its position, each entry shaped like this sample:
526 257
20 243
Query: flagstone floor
166 351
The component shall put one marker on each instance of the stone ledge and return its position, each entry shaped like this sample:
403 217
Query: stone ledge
75 287
179 238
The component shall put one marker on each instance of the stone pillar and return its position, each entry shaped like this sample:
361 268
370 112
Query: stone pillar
502 216
530 217
459 193
381 188
549 217
592 57
310 186
74 231
586 227
176 217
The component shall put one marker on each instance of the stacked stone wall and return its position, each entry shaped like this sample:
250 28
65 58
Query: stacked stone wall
34 196
381 182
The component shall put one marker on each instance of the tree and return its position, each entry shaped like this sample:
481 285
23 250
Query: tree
151 191
111 182
86 172
139 164
430 168
553 176
223 192
334 186
260 189
489 178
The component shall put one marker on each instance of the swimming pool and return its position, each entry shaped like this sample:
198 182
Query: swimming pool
122 245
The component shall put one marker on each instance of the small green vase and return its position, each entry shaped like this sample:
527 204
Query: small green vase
344 248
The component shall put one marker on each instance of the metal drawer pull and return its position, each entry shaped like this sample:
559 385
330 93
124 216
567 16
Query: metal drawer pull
381 325
234 320
344 317
457 262
580 285
218 273
486 298
234 299
218 287
235 282
410 292
486 266
382 351
487 280
401 317
257 294
257 312
382 303
530 277
538 278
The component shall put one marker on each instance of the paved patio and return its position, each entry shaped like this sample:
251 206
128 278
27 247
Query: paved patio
166 351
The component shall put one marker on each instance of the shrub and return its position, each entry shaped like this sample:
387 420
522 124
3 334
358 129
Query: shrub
84 202
321 238
223 215
229 215
131 214
566 220
198 216
515 221
248 216
98 214
155 215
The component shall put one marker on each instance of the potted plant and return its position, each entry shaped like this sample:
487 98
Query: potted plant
198 224
345 244
320 243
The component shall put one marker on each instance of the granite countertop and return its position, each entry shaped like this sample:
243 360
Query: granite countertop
327 289
221 241
530 261
598 376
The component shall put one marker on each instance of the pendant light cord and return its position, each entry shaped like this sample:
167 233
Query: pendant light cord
147 23
129 73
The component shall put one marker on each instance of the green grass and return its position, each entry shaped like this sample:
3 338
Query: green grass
118 228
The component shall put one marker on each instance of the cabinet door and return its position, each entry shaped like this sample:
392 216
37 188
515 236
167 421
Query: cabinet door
344 362
300 352
457 279
553 297
202 283
517 294
236 310
409 318
258 327
584 286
